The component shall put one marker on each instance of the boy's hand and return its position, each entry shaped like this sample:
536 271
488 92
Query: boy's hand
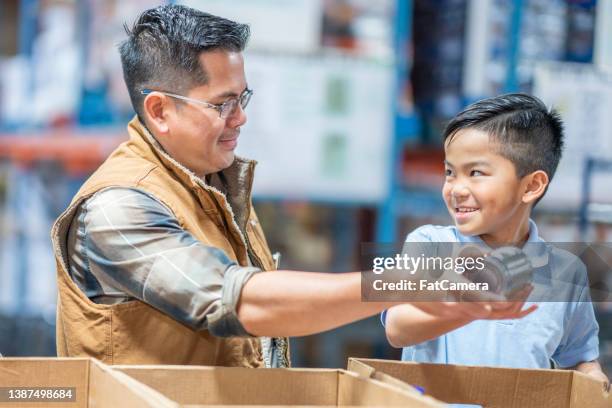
600 376
593 369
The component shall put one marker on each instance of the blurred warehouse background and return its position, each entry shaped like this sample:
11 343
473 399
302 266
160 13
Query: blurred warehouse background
350 100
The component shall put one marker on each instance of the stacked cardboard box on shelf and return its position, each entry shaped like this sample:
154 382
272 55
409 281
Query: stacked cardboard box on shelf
491 387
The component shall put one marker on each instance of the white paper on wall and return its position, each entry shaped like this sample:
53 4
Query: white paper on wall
56 59
14 90
276 25
320 128
105 31
25 249
583 96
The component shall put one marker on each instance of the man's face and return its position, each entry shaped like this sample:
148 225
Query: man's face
482 191
198 137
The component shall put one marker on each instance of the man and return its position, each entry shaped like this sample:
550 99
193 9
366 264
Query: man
160 255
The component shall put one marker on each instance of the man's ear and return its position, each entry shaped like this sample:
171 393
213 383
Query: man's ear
156 107
534 186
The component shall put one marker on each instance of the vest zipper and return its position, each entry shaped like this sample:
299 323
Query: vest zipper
250 251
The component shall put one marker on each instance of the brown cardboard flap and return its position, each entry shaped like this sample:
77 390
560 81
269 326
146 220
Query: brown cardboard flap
356 390
485 386
587 392
95 385
114 389
207 386
367 371
238 386
46 373
361 368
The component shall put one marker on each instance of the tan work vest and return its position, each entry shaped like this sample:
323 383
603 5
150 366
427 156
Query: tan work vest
218 214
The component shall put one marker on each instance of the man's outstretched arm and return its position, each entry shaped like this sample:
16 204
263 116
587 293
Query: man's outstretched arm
126 244
290 303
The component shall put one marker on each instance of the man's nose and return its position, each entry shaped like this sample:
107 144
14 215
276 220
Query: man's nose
237 118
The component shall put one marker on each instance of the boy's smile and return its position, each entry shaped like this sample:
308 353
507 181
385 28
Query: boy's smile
482 191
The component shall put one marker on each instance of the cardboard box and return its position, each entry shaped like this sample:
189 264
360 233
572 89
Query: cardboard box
492 387
195 386
71 383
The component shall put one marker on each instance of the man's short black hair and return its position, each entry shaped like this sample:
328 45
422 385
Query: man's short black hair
164 44
523 129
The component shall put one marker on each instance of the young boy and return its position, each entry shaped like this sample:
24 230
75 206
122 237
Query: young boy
501 154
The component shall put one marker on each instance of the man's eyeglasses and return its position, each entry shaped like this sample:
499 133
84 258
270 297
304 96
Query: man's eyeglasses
225 109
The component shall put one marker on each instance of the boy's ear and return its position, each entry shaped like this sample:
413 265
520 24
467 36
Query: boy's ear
534 186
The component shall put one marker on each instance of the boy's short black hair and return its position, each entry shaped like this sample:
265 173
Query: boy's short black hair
527 133
164 45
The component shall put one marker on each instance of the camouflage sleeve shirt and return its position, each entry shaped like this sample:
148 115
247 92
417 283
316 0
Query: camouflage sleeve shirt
124 244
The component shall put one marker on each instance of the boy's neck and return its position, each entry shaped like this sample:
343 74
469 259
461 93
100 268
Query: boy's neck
509 235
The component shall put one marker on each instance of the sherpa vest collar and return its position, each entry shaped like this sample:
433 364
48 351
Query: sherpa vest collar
218 213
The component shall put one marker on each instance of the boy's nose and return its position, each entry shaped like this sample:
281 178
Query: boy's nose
460 191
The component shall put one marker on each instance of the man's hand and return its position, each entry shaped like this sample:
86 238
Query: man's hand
512 309
481 305
476 310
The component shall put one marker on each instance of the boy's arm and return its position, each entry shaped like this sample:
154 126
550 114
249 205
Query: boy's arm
406 324
593 369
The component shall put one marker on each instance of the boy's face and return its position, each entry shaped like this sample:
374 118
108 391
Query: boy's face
482 191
